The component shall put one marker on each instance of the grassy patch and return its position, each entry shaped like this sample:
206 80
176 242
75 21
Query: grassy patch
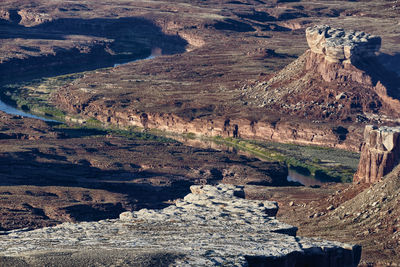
33 95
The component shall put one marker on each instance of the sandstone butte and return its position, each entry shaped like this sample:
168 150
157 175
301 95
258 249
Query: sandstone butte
337 78
336 82
212 226
340 55
380 153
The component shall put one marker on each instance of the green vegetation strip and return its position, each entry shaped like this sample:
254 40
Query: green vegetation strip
93 127
33 95
322 163
325 164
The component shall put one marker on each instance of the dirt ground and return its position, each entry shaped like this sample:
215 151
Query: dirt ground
51 175
358 214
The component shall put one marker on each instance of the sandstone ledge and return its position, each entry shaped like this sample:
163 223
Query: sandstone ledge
212 226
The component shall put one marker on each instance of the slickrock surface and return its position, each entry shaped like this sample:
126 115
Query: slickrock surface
210 51
339 45
212 226
379 154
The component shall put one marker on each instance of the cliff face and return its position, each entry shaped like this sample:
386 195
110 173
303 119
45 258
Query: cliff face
349 138
350 56
380 153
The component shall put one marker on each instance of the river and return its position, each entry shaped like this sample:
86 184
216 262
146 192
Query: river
207 143
155 52
292 176
306 180
13 111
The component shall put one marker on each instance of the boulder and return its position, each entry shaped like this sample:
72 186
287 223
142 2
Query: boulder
338 45
380 153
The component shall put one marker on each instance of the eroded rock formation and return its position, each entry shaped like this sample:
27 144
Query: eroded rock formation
338 78
24 17
380 153
212 226
338 45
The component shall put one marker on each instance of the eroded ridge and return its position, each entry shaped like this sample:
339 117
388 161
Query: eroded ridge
212 226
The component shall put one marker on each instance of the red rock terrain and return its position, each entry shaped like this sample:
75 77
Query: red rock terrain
338 79
363 214
228 44
380 153
229 68
52 175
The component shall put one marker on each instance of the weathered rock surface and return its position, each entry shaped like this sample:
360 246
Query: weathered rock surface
338 45
212 226
380 153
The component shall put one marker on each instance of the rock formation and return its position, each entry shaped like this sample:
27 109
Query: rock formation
380 153
338 45
23 17
212 226
338 78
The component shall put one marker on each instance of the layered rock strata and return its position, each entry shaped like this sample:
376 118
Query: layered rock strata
380 153
283 131
338 45
212 226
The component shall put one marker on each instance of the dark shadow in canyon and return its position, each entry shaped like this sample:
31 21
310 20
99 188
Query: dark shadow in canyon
128 39
380 73
391 62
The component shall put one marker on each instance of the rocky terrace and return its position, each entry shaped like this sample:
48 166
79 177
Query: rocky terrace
212 226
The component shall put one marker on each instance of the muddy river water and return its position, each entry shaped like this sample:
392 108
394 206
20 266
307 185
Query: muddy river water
155 52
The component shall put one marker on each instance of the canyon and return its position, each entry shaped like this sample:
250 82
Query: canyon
231 71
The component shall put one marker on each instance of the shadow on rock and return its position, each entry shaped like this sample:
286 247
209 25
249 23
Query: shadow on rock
128 39
380 73
25 169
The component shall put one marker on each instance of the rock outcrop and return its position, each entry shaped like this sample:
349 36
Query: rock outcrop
338 78
24 17
212 226
338 45
380 153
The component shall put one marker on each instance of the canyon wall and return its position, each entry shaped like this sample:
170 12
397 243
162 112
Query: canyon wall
380 153
347 137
